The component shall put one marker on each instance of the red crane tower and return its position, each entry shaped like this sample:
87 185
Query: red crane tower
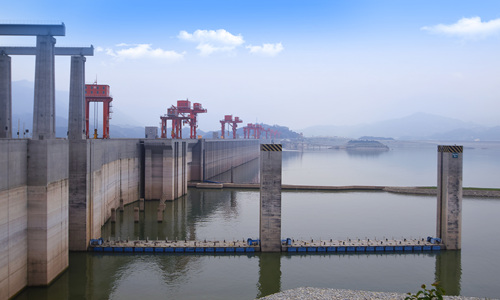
180 115
228 119
98 93
257 131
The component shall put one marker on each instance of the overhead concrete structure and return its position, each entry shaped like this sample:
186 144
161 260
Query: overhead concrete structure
449 198
270 197
77 85
44 102
33 29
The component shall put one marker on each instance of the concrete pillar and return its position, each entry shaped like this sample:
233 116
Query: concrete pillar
141 204
270 197
76 118
5 97
449 199
44 115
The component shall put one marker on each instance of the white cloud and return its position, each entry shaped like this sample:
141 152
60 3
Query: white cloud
266 49
210 41
140 51
467 28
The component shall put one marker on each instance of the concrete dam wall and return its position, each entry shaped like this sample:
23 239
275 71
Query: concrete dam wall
55 195
33 213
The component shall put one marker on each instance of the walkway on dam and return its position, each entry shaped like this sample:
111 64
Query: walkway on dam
431 191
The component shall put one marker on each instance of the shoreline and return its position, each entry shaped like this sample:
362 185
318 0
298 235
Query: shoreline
428 191
341 294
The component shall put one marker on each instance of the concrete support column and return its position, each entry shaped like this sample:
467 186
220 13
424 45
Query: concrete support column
76 118
270 197
44 105
449 199
5 97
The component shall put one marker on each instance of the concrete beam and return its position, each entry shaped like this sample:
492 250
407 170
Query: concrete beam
31 29
68 51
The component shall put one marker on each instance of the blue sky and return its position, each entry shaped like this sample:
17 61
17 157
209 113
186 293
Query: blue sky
292 63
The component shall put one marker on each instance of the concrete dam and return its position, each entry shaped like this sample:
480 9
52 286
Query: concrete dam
55 195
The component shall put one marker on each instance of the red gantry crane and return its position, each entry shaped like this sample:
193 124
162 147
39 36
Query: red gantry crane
258 130
98 93
228 119
180 115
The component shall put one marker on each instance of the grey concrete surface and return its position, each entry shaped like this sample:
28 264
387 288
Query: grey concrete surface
449 196
270 197
76 113
44 115
5 97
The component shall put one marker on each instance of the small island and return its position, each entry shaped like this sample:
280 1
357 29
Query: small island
366 145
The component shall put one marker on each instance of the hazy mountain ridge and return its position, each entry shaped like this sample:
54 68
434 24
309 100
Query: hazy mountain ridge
418 126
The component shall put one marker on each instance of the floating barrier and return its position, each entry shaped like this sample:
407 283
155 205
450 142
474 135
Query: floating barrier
252 246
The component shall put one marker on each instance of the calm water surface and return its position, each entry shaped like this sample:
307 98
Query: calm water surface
233 214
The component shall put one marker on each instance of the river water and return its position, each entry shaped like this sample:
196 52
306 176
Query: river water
233 214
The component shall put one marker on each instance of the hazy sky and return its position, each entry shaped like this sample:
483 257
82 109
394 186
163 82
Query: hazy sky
292 63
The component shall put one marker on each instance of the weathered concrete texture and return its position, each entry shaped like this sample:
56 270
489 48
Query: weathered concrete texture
13 217
167 168
44 114
5 97
449 196
47 210
220 156
114 174
270 198
76 118
79 208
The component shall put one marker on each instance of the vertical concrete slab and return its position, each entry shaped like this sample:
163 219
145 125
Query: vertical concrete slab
79 209
270 197
5 97
449 198
44 106
76 118
47 210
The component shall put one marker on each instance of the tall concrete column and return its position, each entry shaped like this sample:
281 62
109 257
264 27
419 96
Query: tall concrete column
44 119
5 97
449 200
76 118
270 197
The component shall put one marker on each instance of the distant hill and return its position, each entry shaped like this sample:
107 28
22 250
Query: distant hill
418 126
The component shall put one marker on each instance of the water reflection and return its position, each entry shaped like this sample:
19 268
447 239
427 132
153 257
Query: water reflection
449 271
269 274
365 153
